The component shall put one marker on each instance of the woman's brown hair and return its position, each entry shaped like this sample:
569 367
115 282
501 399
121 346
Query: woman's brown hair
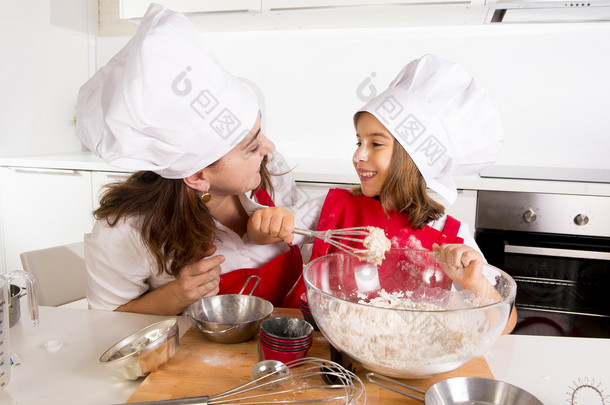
404 190
175 226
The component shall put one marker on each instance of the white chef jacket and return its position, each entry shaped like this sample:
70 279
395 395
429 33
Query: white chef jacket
120 267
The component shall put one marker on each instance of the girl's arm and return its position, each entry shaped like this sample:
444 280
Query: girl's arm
464 265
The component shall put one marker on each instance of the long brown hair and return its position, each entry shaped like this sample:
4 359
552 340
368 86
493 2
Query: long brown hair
175 226
404 190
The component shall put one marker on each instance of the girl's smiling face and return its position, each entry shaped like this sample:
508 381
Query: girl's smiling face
374 153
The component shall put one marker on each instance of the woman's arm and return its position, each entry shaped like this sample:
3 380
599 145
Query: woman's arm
194 281
270 225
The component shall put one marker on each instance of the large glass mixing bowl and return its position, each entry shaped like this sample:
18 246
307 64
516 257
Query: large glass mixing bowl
405 318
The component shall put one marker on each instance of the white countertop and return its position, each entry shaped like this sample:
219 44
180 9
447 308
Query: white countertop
325 171
548 367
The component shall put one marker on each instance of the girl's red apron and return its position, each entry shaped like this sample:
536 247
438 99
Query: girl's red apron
342 209
281 280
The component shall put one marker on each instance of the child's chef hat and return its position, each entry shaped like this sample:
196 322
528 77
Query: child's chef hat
164 103
444 120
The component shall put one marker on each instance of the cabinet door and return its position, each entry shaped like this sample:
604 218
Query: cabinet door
42 208
99 180
464 209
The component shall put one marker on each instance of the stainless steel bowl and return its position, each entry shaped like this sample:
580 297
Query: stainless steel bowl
229 318
461 390
142 352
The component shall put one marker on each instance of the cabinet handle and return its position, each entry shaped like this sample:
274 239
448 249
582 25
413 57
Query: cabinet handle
42 170
569 253
118 176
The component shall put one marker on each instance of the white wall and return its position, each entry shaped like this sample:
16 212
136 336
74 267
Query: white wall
43 61
550 81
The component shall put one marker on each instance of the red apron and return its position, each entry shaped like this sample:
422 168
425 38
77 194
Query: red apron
342 209
281 280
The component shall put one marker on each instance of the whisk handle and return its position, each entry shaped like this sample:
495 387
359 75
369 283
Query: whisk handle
304 232
177 401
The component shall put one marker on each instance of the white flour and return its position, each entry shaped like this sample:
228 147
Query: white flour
421 342
377 244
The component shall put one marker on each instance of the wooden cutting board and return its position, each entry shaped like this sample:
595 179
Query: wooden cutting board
201 367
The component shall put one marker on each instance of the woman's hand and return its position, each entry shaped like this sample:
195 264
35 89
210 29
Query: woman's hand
194 281
201 278
270 225
462 264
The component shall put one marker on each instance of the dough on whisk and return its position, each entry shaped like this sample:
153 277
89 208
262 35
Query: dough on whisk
377 244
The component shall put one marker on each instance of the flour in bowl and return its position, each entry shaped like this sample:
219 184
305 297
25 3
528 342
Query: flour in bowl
397 334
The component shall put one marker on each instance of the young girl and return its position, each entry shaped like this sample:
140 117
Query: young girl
432 122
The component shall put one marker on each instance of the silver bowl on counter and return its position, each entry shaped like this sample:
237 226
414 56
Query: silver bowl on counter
143 351
229 318
404 318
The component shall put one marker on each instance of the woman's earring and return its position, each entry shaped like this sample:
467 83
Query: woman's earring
206 197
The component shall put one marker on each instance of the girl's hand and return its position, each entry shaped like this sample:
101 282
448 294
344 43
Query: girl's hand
462 264
199 279
270 225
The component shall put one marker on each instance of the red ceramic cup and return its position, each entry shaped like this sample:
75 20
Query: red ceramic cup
286 345
267 353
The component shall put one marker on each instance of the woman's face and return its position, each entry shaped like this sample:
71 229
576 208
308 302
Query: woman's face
374 153
238 171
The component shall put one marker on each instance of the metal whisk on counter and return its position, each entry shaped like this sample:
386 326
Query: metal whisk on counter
305 381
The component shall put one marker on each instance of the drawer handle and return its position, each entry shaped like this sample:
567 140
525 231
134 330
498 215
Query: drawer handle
43 170
571 253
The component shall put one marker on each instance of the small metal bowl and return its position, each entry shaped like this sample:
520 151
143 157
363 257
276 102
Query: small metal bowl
229 318
142 352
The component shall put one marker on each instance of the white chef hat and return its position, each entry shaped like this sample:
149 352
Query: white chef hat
443 119
164 103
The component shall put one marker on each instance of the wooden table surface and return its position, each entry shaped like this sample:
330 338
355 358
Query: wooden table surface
201 367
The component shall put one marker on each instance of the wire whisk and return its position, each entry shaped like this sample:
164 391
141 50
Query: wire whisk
304 381
373 239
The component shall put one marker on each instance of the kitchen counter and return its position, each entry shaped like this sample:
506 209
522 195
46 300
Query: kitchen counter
548 367
326 171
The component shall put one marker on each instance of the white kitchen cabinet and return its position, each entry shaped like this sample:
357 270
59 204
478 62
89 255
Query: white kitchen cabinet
464 209
42 208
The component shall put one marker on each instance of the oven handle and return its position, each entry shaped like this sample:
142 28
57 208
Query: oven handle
575 254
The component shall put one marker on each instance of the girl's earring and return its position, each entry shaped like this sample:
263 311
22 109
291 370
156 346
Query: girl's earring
206 197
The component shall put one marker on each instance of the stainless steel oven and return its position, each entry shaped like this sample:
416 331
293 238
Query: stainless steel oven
557 248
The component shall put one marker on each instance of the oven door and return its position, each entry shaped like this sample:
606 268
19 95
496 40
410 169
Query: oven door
563 282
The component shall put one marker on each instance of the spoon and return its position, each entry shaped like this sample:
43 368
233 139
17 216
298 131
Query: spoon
274 369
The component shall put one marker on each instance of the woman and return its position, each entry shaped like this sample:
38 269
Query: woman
175 231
